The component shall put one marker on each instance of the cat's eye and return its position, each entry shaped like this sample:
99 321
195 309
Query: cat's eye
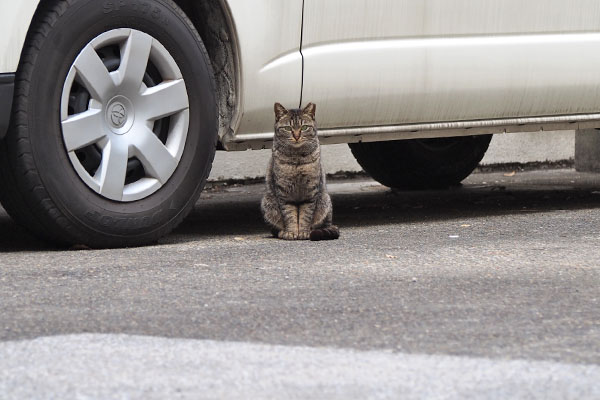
305 128
287 128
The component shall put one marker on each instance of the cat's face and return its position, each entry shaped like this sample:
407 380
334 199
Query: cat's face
295 127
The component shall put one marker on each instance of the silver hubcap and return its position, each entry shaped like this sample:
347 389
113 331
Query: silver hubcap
124 115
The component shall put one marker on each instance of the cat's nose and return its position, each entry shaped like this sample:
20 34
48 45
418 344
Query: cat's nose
296 135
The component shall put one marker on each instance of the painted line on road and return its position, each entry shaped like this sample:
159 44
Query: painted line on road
95 366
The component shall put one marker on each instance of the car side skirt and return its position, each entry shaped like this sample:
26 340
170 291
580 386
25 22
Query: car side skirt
430 130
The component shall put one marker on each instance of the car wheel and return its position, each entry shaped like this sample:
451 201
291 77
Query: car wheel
114 126
421 163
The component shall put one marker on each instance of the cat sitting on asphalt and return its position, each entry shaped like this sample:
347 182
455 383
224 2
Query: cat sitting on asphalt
296 205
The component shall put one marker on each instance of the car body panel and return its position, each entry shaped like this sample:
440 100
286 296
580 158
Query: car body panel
15 18
268 35
400 69
449 60
14 24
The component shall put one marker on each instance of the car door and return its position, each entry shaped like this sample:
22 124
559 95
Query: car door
269 37
387 62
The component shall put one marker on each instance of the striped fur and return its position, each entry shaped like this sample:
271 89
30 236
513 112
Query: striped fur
296 204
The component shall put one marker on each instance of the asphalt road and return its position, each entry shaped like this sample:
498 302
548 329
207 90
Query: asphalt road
490 290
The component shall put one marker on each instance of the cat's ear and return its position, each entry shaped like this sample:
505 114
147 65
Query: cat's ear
310 109
280 111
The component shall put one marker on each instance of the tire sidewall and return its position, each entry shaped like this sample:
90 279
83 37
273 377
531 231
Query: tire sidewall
99 217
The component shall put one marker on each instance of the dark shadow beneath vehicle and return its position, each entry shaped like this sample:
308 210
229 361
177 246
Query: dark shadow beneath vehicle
14 238
234 210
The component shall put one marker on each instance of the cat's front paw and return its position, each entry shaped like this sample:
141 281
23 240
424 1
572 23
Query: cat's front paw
288 235
304 235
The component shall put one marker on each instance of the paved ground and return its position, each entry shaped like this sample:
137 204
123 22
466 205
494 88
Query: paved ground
500 275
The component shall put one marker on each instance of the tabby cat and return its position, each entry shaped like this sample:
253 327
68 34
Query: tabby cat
296 205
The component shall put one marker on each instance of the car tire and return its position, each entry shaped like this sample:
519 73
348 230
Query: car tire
117 161
421 163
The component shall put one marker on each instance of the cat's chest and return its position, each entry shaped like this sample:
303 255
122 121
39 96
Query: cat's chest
298 182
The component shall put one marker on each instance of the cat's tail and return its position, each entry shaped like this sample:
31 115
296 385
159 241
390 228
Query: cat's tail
330 232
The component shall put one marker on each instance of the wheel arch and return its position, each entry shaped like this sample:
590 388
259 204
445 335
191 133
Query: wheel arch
214 22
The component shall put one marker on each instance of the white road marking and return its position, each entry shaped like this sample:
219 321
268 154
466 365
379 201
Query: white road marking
95 366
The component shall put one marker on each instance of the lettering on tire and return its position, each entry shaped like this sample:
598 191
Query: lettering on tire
142 7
